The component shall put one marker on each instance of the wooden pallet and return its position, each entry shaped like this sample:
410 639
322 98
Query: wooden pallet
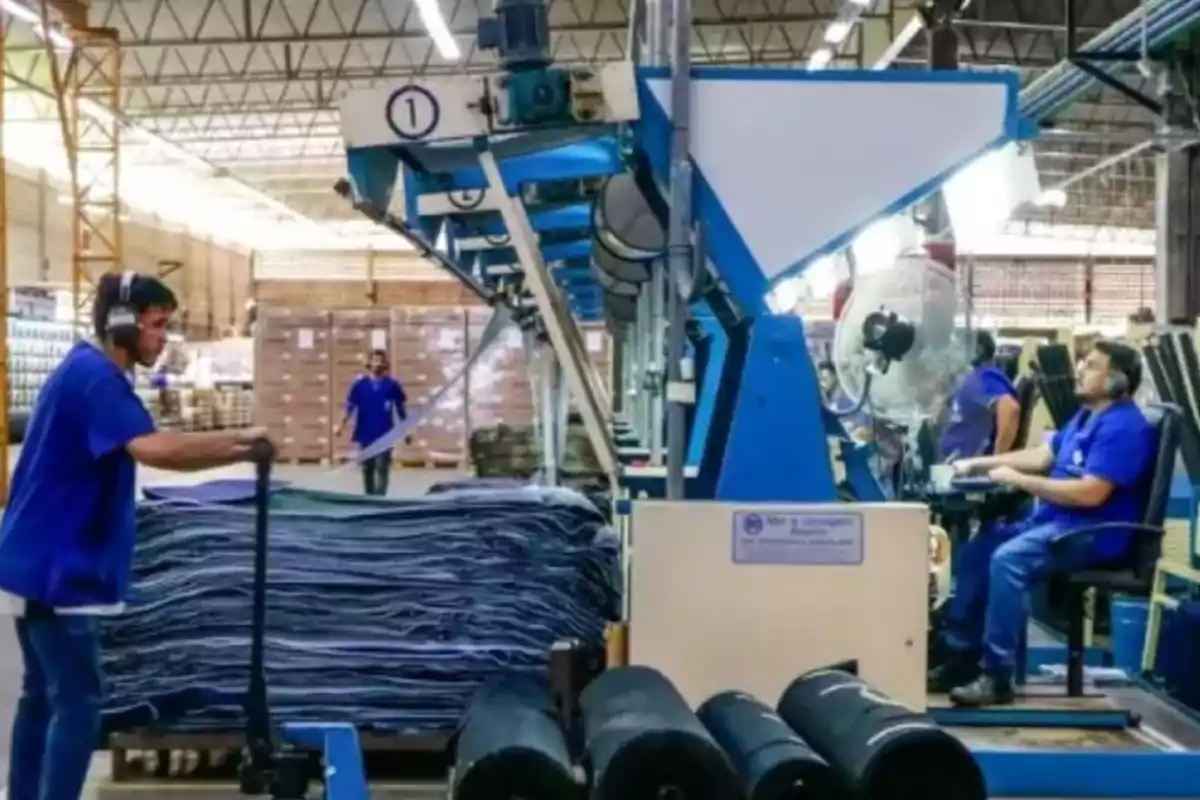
434 463
158 756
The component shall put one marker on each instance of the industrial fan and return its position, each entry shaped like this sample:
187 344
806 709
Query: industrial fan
899 356
896 349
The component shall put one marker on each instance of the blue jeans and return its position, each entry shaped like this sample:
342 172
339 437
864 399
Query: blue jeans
57 724
994 572
376 470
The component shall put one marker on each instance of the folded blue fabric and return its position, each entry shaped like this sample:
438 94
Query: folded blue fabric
387 613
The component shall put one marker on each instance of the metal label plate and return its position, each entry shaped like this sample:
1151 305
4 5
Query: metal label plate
798 539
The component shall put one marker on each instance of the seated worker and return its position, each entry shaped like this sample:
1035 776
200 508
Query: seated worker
857 422
375 401
1092 472
984 413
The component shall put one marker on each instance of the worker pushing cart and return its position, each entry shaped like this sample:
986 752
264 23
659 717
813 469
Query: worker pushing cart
66 543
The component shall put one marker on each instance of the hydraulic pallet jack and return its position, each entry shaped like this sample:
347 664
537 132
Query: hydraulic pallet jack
281 763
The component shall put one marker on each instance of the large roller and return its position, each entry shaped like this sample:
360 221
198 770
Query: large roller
619 268
642 742
625 224
881 748
774 763
621 309
510 747
613 285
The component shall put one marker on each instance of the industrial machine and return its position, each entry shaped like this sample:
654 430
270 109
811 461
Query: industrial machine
664 205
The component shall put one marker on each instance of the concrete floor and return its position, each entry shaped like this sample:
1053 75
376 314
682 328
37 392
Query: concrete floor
404 482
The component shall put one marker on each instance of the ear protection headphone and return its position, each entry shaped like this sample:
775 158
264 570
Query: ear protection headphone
985 348
1118 382
122 321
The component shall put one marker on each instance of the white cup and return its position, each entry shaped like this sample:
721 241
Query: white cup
941 476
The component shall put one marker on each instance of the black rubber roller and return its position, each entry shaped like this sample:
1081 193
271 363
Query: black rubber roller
510 746
881 748
642 742
774 763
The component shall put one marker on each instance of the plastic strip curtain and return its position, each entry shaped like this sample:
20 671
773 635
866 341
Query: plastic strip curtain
501 318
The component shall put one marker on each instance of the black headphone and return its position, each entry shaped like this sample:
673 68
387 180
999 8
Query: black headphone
1118 382
985 348
121 324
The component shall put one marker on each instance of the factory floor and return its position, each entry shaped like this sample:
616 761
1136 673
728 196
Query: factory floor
404 482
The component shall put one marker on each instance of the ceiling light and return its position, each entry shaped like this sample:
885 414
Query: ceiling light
1051 198
837 32
820 59
435 25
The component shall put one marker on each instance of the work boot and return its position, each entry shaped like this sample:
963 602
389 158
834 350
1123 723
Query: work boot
989 689
955 669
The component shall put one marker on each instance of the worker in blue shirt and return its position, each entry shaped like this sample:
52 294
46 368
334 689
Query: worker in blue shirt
375 401
1093 471
855 420
984 413
67 537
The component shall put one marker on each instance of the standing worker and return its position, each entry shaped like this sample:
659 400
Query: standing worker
67 538
984 413
375 401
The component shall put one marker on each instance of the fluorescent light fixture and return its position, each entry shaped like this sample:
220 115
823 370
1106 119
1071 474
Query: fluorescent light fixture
786 295
861 3
1051 198
438 30
837 32
983 195
820 59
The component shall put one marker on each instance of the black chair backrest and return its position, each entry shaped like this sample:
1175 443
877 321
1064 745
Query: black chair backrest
1027 394
1167 421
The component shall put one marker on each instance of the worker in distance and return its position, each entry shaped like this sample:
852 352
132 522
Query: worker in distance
984 413
67 537
375 402
1093 471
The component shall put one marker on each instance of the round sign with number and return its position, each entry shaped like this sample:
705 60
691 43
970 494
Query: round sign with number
413 112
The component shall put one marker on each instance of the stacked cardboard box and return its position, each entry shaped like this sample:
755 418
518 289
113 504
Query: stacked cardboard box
428 352
499 383
354 335
292 381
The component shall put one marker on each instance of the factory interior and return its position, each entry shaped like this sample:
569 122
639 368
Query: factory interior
598 439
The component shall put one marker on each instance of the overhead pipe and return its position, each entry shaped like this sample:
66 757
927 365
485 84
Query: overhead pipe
1153 25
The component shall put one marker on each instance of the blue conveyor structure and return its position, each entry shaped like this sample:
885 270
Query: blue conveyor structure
753 236
781 167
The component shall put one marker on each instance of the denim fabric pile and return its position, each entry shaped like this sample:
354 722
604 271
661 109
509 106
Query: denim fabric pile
389 614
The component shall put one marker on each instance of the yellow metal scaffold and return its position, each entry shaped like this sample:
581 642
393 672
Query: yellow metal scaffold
87 88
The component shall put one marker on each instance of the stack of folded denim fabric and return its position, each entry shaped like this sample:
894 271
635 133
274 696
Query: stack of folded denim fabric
386 613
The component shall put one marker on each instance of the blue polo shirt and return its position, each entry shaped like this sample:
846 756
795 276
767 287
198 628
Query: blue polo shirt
375 404
67 535
1117 445
971 429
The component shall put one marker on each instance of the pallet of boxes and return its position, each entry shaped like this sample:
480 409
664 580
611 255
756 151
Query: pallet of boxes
428 353
292 382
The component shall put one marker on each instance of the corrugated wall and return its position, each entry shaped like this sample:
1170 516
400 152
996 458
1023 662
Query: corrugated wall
213 282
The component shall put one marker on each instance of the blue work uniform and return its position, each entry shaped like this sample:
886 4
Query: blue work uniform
971 430
375 402
996 569
66 548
